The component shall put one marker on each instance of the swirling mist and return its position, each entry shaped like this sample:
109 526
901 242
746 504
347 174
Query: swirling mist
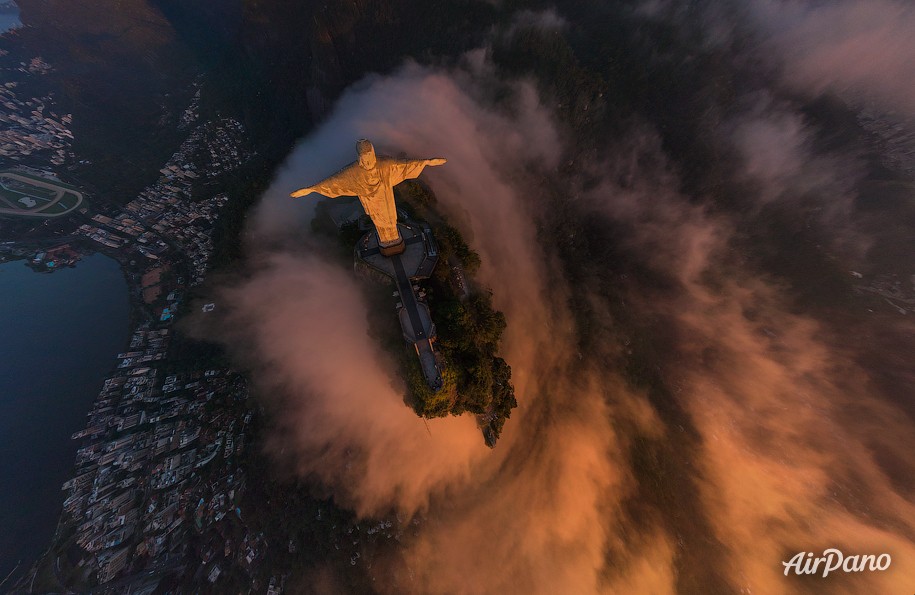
756 433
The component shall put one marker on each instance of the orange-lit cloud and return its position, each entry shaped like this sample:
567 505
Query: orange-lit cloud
765 442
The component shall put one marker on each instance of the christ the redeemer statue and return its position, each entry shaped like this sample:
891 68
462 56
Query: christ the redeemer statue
372 178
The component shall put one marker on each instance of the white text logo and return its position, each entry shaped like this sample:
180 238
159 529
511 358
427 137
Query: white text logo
833 560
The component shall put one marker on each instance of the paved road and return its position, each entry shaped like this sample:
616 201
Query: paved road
423 345
408 298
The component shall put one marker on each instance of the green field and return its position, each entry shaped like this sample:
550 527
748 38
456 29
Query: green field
26 195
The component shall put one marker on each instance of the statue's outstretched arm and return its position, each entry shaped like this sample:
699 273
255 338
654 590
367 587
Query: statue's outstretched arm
343 183
302 192
408 169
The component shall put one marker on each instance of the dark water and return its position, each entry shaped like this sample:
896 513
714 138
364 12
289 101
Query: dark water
8 20
59 334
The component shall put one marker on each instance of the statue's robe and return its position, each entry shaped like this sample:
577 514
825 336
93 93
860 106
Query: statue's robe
375 189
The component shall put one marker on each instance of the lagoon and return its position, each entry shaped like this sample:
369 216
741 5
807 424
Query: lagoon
59 335
8 21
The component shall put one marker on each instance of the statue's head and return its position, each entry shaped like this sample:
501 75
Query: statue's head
366 153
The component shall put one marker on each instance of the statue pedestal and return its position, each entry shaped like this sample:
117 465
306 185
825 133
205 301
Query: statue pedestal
416 254
393 249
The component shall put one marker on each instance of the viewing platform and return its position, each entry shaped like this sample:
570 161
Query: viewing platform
416 262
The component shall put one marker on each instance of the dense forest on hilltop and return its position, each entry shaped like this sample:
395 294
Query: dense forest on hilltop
469 329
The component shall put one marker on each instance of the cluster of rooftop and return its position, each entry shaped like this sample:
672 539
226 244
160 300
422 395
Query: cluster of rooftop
164 213
30 127
155 448
157 480
896 139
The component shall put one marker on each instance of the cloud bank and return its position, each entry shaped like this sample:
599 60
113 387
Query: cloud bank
864 51
337 401
766 436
